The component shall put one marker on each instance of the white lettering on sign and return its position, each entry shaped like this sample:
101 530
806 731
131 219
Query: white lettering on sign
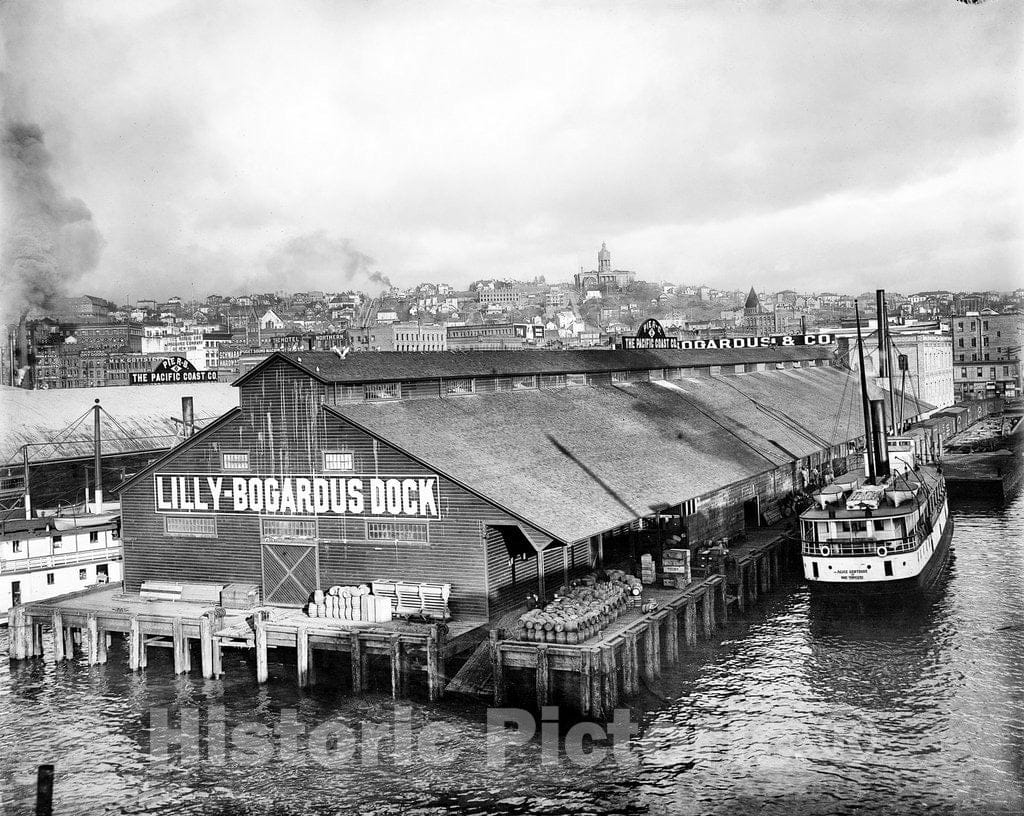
299 495
759 342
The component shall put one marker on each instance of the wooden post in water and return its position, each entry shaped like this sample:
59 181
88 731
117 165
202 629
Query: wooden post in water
610 681
652 657
596 682
69 643
707 609
135 647
102 642
630 670
497 668
206 645
37 637
302 656
690 623
44 790
435 665
16 631
92 639
356 652
543 676
672 637
262 669
741 591
722 601
397 667
434 680
585 669
182 663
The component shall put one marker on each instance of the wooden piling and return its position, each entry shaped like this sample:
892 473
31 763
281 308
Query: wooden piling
722 602
596 682
398 664
356 651
707 607
584 681
69 643
630 669
543 676
206 645
102 642
302 656
498 669
92 640
262 669
16 630
179 642
690 623
671 630
741 591
435 665
37 637
609 680
652 651
135 646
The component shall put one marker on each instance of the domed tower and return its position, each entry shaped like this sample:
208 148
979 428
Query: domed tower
604 260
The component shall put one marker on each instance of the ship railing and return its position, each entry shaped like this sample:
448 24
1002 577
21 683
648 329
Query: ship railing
40 562
860 546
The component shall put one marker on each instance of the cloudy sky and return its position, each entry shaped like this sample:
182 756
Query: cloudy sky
238 146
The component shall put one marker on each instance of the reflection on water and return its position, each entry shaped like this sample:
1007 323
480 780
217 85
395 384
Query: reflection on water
798 709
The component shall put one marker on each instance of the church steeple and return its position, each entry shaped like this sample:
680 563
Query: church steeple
753 304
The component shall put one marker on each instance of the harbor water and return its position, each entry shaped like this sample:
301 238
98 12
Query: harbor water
793 709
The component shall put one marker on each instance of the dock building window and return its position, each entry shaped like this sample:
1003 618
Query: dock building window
81 575
575 379
376 391
15 546
413 531
462 386
49 578
522 383
191 526
94 536
338 460
288 529
235 460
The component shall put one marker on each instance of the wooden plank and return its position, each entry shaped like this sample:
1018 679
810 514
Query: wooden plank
262 669
302 656
543 676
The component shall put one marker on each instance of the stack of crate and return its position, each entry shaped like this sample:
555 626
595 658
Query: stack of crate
677 568
647 574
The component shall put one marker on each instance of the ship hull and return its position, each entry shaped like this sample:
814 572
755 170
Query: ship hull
926 578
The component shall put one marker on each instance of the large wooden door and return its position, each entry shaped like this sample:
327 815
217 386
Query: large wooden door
290 573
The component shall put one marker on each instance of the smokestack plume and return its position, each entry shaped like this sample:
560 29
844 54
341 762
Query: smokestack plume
48 239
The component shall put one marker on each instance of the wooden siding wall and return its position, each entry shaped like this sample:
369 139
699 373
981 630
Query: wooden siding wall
505 594
284 428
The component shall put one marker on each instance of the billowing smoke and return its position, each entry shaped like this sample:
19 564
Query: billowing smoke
318 261
48 240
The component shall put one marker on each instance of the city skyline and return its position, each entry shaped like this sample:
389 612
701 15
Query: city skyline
349 146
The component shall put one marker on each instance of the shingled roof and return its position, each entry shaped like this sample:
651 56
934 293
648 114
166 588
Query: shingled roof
143 413
370 366
579 461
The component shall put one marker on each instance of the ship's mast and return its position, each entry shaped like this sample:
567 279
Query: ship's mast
868 434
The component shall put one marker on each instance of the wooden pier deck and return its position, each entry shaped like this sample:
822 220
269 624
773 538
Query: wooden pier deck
593 676
91 616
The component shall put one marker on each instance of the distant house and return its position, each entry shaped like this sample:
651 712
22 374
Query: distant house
271 321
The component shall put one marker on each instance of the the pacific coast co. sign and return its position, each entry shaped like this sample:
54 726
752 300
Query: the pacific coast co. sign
298 495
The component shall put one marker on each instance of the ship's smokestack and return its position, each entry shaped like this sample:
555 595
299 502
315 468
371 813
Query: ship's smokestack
97 458
881 441
188 417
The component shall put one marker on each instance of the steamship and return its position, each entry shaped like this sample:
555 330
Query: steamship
884 530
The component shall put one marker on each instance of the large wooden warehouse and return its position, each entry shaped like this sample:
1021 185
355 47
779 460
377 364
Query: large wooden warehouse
495 472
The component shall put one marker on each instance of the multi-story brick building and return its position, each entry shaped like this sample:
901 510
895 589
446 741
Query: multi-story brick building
986 354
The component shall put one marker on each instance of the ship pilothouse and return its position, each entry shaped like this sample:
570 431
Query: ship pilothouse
886 528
